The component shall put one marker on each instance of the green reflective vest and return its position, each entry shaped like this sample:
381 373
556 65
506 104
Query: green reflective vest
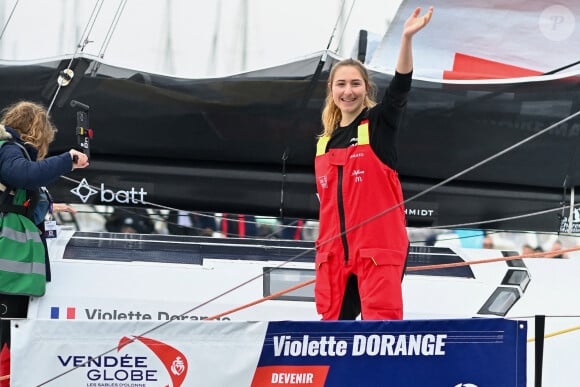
22 253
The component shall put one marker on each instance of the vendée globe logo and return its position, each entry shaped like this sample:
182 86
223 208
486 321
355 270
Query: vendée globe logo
127 368
85 191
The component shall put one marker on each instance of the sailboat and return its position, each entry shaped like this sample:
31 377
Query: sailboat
495 149
240 143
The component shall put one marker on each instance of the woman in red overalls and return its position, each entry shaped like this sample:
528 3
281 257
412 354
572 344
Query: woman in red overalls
362 244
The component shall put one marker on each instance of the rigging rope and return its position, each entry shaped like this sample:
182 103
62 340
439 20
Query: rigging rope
556 333
9 19
459 174
344 25
81 45
109 35
440 227
310 282
515 217
493 157
413 268
67 73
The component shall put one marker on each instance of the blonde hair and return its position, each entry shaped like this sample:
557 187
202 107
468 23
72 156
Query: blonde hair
32 122
331 114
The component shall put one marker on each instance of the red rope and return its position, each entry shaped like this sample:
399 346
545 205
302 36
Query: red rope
549 254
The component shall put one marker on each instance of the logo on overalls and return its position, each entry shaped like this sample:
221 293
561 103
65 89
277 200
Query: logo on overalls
323 182
357 173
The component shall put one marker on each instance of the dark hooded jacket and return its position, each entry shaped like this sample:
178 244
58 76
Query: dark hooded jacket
17 171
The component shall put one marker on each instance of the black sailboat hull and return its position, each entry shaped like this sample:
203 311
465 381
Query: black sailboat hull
245 143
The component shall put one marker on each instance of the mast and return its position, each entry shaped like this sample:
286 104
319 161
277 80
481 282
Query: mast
212 63
168 64
4 24
244 35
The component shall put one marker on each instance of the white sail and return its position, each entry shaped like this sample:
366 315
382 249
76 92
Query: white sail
538 35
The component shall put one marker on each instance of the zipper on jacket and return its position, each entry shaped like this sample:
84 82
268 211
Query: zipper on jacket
340 202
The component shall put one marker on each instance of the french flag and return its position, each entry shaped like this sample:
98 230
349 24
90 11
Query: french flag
55 313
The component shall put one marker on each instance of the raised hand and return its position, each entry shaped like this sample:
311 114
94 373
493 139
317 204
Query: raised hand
415 22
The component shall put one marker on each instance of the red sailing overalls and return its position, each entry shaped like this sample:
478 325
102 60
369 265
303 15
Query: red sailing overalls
359 194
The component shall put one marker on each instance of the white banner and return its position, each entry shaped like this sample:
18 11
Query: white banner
268 354
134 354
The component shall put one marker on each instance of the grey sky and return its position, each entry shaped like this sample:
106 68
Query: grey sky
177 36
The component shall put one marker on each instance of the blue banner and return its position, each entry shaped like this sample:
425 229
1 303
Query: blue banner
447 353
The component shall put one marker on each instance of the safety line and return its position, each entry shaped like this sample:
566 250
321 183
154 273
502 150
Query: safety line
448 226
259 301
545 254
164 207
454 177
414 268
515 217
390 209
309 282
556 333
